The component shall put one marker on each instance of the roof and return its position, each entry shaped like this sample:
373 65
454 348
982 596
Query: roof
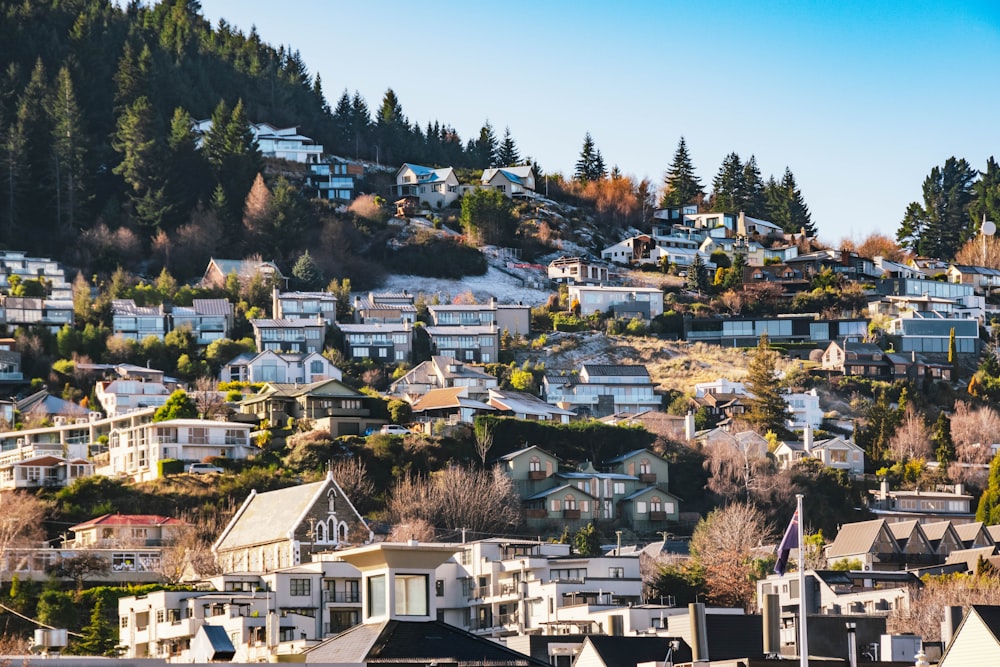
128 520
980 270
448 397
989 615
216 307
218 639
611 370
856 538
286 324
268 517
521 402
244 268
557 489
514 455
127 308
415 641
630 651
45 403
628 455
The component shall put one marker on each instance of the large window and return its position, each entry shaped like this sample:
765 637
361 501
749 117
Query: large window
299 587
411 595
376 596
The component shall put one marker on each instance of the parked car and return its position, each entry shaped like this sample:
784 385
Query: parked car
394 429
202 468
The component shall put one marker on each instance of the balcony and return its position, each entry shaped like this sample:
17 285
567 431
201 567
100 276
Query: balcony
535 475
536 514
657 516
342 596
571 514
647 477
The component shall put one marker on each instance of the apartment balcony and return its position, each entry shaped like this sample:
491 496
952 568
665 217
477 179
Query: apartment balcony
647 477
571 514
535 475
344 597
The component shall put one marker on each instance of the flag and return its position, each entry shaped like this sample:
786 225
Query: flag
788 542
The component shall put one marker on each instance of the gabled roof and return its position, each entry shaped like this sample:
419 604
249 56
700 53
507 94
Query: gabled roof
968 532
333 388
558 489
630 651
989 615
628 455
127 308
649 490
910 537
938 532
524 403
522 452
244 268
42 402
858 538
449 397
419 642
613 370
128 520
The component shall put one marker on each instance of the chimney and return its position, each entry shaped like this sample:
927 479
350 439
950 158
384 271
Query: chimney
689 426
884 489
952 619
959 489
772 624
699 633
807 439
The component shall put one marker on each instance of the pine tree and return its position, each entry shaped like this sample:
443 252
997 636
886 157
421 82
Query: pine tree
134 77
697 278
590 166
727 186
799 216
939 226
68 154
681 186
989 504
306 273
98 635
343 134
188 175
485 148
507 153
391 128
360 126
986 190
944 446
141 163
31 148
767 409
752 199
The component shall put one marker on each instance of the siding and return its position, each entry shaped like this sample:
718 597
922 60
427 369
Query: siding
974 645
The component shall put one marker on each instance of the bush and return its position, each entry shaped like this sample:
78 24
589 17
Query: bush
166 467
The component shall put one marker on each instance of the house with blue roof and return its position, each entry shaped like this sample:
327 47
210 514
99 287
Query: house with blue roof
511 181
433 187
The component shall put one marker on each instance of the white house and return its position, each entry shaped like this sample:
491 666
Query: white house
434 187
120 396
304 305
45 471
511 181
600 390
838 453
270 366
577 270
643 302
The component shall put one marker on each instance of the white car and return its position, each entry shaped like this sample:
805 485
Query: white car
202 468
394 429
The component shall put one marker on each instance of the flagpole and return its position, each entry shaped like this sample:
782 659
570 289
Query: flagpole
803 632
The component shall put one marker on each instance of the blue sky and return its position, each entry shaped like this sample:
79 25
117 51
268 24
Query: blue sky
860 98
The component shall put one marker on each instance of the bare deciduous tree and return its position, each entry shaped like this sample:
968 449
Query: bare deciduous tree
189 555
913 437
352 476
724 545
21 522
483 501
925 611
210 401
484 432
973 430
737 468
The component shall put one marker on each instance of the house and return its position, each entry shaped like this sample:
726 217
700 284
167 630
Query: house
208 319
246 270
120 396
511 181
671 427
842 262
18 263
388 343
521 405
530 468
137 322
749 444
399 615
434 187
977 639
573 270
629 251
119 530
645 303
789 278
385 308
837 592
599 390
10 371
43 405
44 471
837 453
869 542
279 367
895 270
515 319
803 408
279 335
136 450
984 280
925 334
861 359
674 248
330 404
334 179
924 506
470 343
746 331
284 528
453 405
880 545
282 143
304 306
440 373
52 314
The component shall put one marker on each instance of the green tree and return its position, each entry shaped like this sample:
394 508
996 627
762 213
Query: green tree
188 176
507 153
697 275
944 446
178 406
681 185
590 165
68 144
767 409
786 207
586 541
99 637
939 226
488 217
727 186
306 273
989 504
141 163
485 149
986 191
752 200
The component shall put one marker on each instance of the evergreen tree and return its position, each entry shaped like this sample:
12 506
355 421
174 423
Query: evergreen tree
391 129
306 273
507 153
142 163
986 192
30 148
586 541
590 166
727 186
989 503
134 77
361 123
232 151
485 148
178 406
767 409
752 199
188 174
682 187
488 216
68 154
939 226
697 278
343 132
944 446
99 637
786 207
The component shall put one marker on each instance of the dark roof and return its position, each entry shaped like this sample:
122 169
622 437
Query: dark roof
630 651
415 641
222 646
732 636
596 370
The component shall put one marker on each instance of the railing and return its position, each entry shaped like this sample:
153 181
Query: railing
534 475
571 514
647 477
341 596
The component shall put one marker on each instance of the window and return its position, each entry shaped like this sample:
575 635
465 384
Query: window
644 467
556 505
235 436
411 595
299 587
376 596
439 588
640 507
616 572
535 464
198 435
655 505
570 503
619 488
